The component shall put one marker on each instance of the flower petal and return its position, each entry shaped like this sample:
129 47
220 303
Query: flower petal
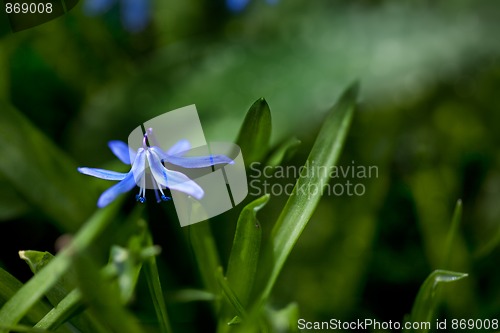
173 179
199 161
180 147
192 161
139 166
111 193
122 151
103 174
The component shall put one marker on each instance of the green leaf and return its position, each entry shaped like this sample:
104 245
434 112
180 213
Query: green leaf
154 285
9 286
455 223
37 260
20 304
427 298
245 253
41 172
70 305
67 305
283 152
255 132
302 202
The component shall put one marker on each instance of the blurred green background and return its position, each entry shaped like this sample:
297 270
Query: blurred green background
428 118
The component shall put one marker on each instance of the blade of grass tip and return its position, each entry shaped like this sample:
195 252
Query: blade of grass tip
9 286
66 300
17 307
301 204
257 126
36 261
455 223
206 254
428 298
102 298
154 285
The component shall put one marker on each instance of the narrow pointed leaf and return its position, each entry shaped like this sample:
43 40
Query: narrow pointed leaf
301 204
9 286
246 250
455 223
155 289
427 298
37 260
66 300
70 305
243 259
255 132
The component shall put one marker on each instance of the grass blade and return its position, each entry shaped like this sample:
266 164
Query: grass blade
428 298
455 223
154 285
70 305
9 286
301 204
257 126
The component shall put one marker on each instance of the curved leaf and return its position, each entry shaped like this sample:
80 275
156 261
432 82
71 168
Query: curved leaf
301 204
255 132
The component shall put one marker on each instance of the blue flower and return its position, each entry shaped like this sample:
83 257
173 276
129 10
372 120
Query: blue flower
237 6
135 13
153 157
